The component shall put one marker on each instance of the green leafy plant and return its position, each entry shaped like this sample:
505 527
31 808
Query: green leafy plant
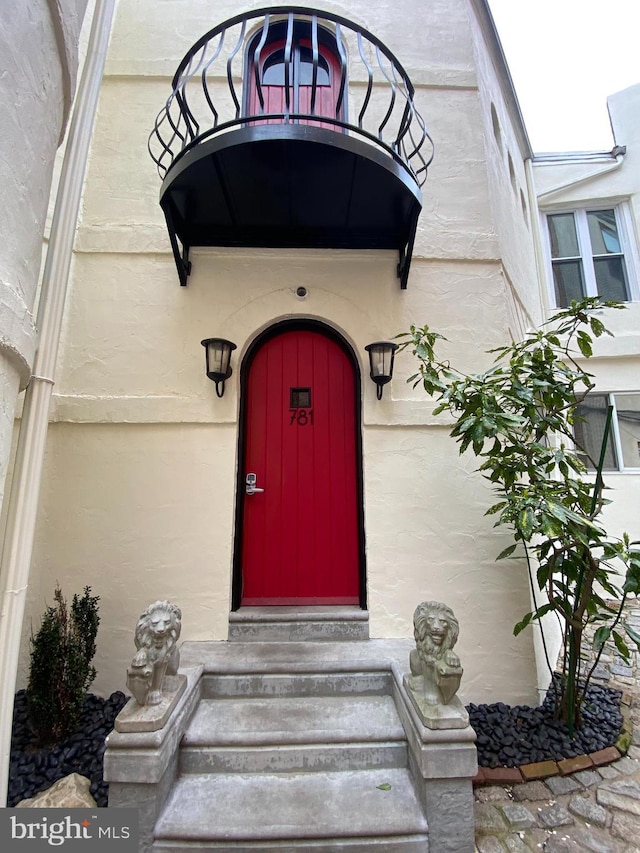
61 670
517 417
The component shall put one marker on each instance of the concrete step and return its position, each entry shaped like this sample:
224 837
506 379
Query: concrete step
291 734
286 812
231 685
291 624
242 660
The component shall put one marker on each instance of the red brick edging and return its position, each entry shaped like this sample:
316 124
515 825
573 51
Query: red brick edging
545 769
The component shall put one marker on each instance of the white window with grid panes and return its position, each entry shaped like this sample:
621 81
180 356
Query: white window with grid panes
589 255
622 451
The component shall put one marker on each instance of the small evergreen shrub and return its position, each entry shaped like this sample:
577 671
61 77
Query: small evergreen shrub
61 670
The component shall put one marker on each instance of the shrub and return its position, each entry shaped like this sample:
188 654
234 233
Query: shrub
61 670
517 418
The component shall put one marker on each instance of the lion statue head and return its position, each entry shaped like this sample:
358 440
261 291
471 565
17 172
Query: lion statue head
436 630
158 629
435 667
156 637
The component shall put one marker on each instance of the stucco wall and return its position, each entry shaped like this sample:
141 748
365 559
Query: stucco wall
38 65
139 490
505 153
140 496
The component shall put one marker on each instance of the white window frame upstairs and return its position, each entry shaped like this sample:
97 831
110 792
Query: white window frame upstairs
586 256
615 437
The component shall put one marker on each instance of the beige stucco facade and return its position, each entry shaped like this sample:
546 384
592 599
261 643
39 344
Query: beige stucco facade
138 495
138 498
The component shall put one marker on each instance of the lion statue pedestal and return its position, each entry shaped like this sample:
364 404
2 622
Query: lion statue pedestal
153 677
435 668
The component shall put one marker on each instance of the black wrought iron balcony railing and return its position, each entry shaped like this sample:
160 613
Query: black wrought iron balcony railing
332 112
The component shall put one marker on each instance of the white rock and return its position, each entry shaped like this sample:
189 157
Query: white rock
72 792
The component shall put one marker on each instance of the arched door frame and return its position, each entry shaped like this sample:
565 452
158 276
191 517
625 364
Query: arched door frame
298 324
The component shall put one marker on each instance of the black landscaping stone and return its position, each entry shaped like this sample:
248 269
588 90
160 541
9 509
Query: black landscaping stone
510 736
34 769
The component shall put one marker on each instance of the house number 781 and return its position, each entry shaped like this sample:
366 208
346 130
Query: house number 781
302 417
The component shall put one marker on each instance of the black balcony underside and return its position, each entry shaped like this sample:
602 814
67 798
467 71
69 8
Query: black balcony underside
290 185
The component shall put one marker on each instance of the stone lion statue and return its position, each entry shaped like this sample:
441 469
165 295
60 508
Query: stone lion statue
435 667
156 638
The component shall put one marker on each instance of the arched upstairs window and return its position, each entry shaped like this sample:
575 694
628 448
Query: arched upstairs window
273 69
286 76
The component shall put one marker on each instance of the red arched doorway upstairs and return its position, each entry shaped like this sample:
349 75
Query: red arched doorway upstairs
292 70
299 541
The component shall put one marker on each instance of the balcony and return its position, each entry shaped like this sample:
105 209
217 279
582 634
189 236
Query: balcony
286 128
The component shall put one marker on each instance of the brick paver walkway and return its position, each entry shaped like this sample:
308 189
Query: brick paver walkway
595 809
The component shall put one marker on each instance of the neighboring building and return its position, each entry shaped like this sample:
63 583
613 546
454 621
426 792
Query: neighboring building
145 486
590 223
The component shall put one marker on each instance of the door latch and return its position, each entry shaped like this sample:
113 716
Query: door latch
250 485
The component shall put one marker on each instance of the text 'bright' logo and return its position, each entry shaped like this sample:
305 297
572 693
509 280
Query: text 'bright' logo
54 832
58 832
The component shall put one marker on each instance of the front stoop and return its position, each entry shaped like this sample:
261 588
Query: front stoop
294 624
281 746
332 810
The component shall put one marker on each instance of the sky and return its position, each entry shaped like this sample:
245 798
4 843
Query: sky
565 57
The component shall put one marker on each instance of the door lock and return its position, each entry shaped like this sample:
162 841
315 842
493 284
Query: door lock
250 485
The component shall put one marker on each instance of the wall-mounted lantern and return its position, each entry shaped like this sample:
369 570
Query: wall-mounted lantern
218 355
381 354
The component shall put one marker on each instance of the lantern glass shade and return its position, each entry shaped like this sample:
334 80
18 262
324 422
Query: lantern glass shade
218 358
381 355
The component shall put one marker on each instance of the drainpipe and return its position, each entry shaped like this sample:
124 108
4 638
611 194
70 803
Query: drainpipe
25 487
547 636
538 251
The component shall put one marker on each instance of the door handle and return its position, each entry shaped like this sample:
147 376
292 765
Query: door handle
250 485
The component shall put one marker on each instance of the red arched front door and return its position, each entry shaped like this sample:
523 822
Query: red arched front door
300 539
